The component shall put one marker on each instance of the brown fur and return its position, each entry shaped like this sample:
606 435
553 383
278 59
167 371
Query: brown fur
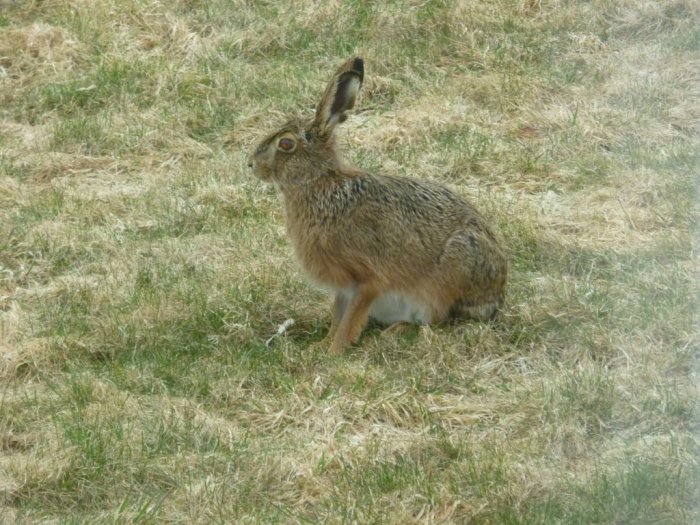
367 235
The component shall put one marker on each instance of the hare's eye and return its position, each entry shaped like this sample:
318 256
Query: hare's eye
286 144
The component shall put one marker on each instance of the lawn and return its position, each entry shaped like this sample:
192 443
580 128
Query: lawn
144 272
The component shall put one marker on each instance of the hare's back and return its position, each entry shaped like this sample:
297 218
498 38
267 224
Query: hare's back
427 205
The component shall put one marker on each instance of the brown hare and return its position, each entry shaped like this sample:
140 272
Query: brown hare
393 248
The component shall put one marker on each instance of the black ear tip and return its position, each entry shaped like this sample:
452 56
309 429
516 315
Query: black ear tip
358 65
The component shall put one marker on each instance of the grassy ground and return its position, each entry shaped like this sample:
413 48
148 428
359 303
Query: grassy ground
144 272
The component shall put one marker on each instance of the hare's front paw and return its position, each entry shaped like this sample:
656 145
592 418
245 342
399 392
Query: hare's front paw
323 345
329 344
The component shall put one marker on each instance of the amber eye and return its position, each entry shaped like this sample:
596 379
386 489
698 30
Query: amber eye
286 144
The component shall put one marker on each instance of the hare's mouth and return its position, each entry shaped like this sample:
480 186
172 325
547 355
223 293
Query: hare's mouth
261 171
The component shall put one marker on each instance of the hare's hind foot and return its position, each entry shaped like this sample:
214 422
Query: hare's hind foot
399 327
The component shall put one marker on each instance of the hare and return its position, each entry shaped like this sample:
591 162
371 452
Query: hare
393 248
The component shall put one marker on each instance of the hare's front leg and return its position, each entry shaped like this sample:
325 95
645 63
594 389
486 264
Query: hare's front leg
340 304
352 316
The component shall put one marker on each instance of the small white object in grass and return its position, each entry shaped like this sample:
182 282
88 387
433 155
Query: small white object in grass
281 329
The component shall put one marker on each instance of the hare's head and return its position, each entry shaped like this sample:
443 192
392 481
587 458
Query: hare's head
302 150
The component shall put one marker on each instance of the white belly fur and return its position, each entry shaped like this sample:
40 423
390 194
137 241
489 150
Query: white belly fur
393 307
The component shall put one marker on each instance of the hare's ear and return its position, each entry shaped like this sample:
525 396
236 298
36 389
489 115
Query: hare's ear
339 96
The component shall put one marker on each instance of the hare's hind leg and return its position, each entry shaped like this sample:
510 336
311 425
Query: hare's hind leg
464 309
353 317
475 259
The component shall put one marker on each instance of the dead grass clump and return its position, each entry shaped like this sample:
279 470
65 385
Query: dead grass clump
45 167
21 358
643 20
11 191
172 34
36 51
21 139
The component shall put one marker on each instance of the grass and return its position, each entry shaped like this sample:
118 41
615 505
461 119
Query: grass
144 272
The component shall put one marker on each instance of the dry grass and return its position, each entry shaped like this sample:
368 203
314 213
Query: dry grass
144 273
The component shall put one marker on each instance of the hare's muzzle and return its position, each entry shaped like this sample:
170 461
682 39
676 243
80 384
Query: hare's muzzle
259 168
